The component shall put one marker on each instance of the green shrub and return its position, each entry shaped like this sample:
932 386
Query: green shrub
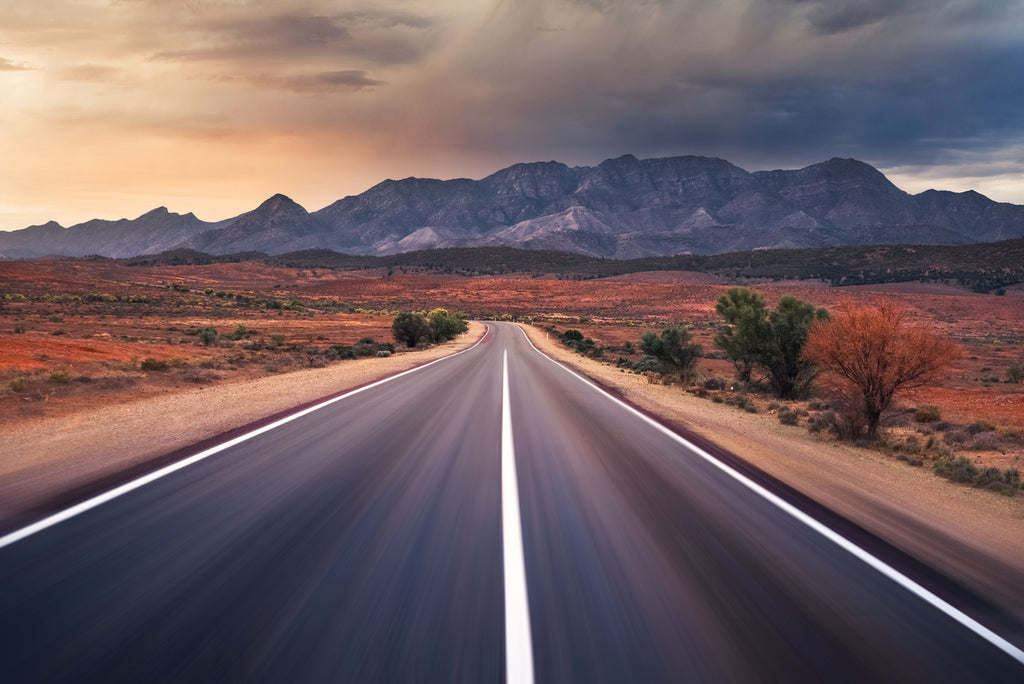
909 446
927 414
18 384
239 332
208 335
61 376
446 326
1015 373
411 328
956 468
674 349
56 318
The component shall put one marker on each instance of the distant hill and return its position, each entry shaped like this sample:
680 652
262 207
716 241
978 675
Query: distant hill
153 232
623 208
983 267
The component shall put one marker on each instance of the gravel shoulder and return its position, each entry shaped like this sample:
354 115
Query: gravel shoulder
43 459
972 536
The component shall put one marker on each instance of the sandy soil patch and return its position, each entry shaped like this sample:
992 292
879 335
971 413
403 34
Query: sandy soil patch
973 536
44 458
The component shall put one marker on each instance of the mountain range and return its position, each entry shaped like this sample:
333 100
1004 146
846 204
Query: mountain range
622 208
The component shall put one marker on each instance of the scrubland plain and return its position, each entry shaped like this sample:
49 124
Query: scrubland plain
79 333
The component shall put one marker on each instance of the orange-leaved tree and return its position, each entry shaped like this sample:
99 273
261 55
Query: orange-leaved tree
870 352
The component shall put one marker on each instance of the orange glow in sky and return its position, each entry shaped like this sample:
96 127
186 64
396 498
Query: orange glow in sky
114 107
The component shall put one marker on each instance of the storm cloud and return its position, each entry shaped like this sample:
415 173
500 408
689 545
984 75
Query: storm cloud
337 95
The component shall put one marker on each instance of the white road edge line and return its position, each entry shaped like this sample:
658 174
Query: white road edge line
99 499
827 532
518 642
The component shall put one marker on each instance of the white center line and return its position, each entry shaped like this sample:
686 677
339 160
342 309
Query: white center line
518 644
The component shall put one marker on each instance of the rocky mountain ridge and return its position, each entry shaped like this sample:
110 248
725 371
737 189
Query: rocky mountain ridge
621 208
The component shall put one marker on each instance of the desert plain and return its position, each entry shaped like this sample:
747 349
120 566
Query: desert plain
155 358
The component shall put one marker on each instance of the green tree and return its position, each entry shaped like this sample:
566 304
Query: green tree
745 341
768 341
674 349
789 373
445 326
411 328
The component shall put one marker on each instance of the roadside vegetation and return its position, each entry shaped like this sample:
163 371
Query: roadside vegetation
416 328
82 345
834 373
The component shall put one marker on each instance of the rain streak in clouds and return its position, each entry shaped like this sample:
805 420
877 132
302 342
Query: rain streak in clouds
112 108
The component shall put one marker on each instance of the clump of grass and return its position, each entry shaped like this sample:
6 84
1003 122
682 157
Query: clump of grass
61 376
151 364
18 384
985 441
927 414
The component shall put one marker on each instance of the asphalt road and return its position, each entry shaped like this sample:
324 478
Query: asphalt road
363 541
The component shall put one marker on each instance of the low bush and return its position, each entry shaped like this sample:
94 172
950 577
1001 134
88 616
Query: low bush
787 417
927 414
956 468
960 469
1015 373
909 446
985 441
18 384
61 376
208 336
822 422
716 383
150 364
955 437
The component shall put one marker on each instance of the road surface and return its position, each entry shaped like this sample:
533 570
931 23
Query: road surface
375 539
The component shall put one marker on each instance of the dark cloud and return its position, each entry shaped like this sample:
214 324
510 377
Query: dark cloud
329 81
378 37
835 16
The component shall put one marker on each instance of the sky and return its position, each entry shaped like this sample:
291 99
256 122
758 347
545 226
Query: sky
110 108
